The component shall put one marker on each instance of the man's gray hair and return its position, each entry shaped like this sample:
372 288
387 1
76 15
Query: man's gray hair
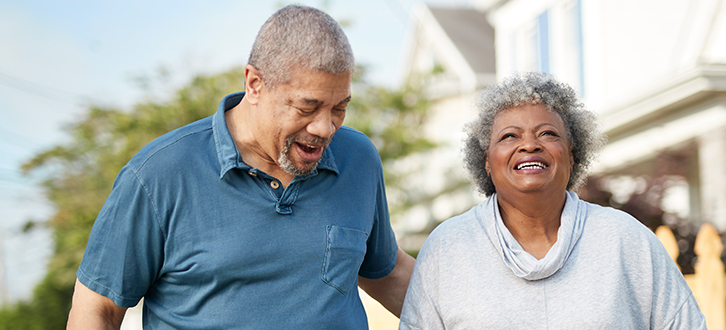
300 36
534 88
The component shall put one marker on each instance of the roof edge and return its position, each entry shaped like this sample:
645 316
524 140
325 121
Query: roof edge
687 87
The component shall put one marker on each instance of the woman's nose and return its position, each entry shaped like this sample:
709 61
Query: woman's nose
530 144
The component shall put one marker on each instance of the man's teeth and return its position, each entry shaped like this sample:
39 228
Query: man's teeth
531 165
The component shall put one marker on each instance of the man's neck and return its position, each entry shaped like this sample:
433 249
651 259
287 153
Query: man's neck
238 121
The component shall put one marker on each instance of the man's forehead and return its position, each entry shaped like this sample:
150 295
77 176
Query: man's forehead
314 101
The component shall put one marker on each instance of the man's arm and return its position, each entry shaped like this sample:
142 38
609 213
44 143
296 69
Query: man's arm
390 290
91 310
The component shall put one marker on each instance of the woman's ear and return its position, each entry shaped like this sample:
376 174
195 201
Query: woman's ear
486 166
253 84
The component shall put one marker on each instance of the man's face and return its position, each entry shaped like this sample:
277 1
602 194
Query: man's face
297 120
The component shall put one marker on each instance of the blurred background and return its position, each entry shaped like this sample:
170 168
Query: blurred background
85 84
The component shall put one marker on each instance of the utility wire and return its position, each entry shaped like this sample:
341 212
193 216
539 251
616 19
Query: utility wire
37 89
26 201
31 202
15 138
33 88
399 10
11 170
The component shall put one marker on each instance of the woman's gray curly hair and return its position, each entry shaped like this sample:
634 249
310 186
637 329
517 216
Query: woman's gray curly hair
534 88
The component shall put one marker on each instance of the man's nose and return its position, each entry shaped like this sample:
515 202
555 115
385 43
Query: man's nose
322 124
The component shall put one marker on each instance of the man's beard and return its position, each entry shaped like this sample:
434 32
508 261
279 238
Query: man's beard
286 163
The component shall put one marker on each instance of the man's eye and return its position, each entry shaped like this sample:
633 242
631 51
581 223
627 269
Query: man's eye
305 111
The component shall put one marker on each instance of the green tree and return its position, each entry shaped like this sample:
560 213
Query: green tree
79 175
393 119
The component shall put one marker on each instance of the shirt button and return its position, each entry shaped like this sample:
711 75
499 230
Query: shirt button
274 184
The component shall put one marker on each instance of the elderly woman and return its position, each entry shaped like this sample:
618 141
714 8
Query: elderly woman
533 255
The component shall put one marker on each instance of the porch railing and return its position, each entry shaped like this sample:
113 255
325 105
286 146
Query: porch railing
707 283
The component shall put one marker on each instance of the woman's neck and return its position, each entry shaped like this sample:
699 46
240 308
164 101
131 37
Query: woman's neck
533 219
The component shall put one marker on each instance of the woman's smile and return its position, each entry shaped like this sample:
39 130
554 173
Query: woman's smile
529 150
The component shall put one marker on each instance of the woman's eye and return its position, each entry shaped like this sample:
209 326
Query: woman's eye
507 136
550 133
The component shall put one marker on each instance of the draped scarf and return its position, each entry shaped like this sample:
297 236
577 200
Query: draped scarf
523 264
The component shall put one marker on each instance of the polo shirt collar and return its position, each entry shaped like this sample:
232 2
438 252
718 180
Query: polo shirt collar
227 152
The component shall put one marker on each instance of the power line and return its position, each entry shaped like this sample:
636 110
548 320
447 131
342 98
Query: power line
3 272
11 170
23 201
33 203
400 11
19 136
14 139
11 180
38 89
13 177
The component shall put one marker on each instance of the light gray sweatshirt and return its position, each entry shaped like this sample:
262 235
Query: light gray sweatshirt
606 271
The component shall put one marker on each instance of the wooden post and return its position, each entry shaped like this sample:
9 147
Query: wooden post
710 277
666 237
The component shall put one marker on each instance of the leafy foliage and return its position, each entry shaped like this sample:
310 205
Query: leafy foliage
393 120
80 175
646 203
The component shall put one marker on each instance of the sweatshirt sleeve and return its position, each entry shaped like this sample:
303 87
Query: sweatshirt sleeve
420 310
688 317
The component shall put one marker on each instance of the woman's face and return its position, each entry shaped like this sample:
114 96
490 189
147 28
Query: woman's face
529 151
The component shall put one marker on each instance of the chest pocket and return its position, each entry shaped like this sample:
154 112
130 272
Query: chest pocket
344 253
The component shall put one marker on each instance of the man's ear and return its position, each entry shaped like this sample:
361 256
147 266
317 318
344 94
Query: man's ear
253 84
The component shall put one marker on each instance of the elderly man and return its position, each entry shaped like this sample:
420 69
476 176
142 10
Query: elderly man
266 215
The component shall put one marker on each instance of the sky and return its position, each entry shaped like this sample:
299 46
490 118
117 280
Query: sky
58 58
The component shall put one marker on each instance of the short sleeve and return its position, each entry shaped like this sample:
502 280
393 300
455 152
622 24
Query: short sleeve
382 248
674 306
419 307
125 249
688 317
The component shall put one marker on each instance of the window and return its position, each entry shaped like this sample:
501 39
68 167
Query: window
543 42
573 44
532 45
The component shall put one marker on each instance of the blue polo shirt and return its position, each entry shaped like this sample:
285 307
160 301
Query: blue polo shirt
211 243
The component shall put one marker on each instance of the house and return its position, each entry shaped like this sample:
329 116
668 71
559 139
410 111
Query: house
654 71
450 55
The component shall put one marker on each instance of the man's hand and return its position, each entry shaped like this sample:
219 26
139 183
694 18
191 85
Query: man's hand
91 310
390 290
